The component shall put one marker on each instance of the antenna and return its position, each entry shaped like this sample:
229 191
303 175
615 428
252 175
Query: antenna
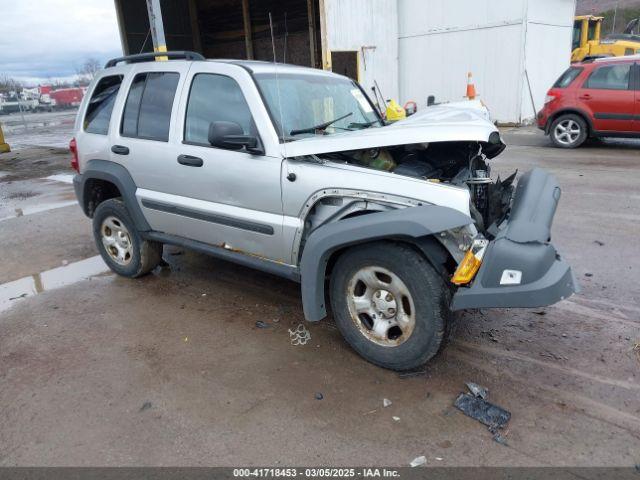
286 37
275 67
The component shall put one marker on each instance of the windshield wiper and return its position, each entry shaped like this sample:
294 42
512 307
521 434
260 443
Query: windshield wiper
363 124
320 127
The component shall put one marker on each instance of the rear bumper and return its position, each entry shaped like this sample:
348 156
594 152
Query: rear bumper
522 247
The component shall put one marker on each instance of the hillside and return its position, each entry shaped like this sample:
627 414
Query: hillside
585 7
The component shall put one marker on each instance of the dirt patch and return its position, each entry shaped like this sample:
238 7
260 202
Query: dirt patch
34 162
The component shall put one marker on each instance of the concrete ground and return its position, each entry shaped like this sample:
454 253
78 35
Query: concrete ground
171 369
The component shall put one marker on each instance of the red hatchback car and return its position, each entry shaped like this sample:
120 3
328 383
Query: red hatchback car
594 99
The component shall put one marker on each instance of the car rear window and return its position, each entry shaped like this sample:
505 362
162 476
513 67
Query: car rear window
98 115
568 77
147 113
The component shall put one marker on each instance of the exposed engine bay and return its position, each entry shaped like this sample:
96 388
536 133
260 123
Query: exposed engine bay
455 163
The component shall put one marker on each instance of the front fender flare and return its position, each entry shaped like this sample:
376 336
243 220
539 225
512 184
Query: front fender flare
406 223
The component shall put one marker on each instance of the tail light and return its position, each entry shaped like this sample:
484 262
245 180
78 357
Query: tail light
73 148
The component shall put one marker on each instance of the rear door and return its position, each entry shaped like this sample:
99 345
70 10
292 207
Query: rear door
608 96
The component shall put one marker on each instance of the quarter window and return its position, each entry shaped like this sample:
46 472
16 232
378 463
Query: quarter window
567 77
215 98
98 115
147 113
610 77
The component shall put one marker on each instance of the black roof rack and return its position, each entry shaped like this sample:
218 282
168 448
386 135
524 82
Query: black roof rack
151 56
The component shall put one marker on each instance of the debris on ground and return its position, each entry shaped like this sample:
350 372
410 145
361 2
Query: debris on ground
588 274
486 413
299 336
319 396
439 459
19 296
386 402
598 242
497 437
261 324
541 312
396 419
477 390
418 461
145 406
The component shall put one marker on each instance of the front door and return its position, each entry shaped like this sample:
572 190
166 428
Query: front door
607 95
226 198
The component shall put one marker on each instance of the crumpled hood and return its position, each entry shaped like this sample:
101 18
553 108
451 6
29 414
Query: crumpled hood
433 124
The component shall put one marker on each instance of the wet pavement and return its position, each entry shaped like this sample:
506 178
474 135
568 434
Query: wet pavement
171 369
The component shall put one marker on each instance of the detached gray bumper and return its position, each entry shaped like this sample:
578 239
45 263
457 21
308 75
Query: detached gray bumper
522 248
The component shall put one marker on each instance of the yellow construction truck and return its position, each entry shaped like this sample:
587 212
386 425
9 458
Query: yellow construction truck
587 44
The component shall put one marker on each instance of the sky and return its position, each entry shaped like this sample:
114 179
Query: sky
44 40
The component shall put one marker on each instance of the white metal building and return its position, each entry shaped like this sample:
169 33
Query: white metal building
411 48
414 48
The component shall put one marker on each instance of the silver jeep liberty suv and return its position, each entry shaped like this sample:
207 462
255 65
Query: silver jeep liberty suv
293 171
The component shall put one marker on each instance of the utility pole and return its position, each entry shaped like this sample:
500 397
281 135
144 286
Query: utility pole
157 28
615 14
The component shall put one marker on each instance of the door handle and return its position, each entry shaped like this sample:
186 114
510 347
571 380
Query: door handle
120 150
586 96
190 161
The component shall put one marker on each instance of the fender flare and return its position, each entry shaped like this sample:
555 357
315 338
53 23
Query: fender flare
121 178
409 223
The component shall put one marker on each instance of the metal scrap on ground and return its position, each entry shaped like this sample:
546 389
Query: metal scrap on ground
477 390
487 413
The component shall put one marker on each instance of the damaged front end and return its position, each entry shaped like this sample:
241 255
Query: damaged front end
505 259
459 164
520 267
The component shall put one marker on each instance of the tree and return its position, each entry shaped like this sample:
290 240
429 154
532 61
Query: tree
88 70
8 84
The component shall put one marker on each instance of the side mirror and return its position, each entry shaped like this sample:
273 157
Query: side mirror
230 136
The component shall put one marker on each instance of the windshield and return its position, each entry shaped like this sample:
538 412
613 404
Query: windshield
316 105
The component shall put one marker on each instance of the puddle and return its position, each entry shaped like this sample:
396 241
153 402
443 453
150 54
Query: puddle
58 277
61 177
27 197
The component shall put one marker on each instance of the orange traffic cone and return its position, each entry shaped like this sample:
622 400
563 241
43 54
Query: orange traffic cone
471 88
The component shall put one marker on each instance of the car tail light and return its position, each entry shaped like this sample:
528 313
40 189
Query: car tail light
73 148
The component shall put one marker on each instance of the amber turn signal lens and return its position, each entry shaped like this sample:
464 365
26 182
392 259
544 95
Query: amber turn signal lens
467 269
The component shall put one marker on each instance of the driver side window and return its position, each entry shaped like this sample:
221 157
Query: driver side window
214 98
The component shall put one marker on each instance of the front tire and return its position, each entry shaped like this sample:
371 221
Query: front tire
120 244
390 304
568 131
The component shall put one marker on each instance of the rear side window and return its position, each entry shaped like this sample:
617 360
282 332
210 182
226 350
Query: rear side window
98 115
147 113
568 77
215 98
610 77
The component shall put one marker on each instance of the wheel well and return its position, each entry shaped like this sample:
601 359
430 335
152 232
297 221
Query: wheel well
578 113
97 191
429 247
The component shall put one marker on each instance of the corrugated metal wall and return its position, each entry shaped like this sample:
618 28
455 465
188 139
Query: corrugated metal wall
501 41
371 28
547 48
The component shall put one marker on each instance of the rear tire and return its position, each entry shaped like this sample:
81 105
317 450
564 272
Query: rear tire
390 304
120 244
568 131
